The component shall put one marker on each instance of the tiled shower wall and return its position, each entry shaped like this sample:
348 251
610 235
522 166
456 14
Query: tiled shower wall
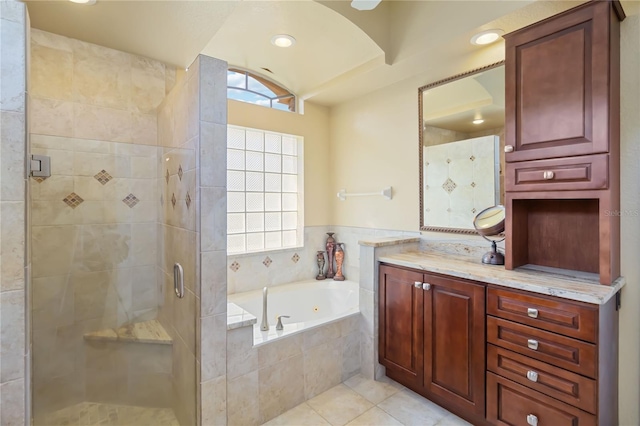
192 229
178 137
93 111
14 377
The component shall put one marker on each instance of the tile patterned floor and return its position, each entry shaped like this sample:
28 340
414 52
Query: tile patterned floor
93 414
362 402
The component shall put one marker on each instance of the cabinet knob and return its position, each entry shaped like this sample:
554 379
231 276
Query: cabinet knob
533 313
426 286
417 284
548 175
508 148
532 420
532 375
532 344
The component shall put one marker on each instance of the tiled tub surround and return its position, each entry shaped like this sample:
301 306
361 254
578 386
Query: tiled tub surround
265 381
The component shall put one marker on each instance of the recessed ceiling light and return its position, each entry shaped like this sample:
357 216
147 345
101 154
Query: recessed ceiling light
486 37
283 40
478 121
365 4
88 2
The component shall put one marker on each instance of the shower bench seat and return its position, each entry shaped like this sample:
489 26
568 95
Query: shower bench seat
141 332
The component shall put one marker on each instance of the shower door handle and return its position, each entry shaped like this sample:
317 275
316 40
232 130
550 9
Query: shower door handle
178 280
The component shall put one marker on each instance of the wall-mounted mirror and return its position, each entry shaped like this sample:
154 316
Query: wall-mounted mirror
461 141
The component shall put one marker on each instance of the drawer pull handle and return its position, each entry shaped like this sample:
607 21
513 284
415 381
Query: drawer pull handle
426 286
508 148
532 420
417 284
532 344
548 175
533 313
532 375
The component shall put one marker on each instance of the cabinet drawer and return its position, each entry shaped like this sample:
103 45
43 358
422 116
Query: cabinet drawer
564 352
560 174
549 314
545 378
509 403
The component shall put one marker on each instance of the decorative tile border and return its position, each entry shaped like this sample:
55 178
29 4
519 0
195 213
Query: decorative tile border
267 261
234 266
295 258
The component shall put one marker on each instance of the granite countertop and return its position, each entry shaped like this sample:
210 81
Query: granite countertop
578 286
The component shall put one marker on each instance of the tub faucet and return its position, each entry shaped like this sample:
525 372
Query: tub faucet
264 325
279 326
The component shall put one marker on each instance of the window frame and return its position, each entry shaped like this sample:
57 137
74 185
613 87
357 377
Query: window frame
270 84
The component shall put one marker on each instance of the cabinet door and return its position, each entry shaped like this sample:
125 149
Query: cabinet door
400 324
454 342
557 86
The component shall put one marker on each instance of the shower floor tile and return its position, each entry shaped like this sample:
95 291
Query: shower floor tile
93 414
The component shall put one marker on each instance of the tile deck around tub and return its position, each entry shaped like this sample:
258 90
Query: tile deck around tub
362 402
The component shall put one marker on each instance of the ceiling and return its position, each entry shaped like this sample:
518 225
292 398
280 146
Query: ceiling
340 54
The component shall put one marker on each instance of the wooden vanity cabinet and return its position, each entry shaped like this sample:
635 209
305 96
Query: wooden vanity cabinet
432 337
498 356
562 137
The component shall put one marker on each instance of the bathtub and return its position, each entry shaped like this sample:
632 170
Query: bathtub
309 303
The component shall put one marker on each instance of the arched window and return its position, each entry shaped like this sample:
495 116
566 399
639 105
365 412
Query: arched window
248 87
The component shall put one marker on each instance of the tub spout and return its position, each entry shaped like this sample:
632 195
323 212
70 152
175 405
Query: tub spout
264 325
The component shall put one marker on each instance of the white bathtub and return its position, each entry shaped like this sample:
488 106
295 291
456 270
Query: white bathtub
309 303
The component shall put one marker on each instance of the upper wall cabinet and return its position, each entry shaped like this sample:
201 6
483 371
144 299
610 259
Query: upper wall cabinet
559 84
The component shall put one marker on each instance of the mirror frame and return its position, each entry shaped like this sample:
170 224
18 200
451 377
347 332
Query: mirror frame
421 90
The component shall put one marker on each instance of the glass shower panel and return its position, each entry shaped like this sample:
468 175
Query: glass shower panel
100 354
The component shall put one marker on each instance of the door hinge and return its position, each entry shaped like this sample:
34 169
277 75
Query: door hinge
40 166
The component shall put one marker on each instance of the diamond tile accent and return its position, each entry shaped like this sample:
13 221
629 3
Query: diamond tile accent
472 158
295 258
166 177
173 200
234 266
73 200
131 200
39 179
473 210
162 200
449 210
267 261
449 185
180 173
103 177
473 184
448 160
188 200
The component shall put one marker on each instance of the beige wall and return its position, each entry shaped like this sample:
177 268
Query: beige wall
14 335
313 125
374 143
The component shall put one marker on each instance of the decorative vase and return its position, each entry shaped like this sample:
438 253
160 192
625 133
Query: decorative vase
331 245
320 260
339 261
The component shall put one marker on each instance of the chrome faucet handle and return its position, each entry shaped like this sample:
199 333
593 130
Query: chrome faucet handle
279 325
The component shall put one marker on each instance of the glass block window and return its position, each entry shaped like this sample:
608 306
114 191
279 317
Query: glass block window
264 190
248 87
